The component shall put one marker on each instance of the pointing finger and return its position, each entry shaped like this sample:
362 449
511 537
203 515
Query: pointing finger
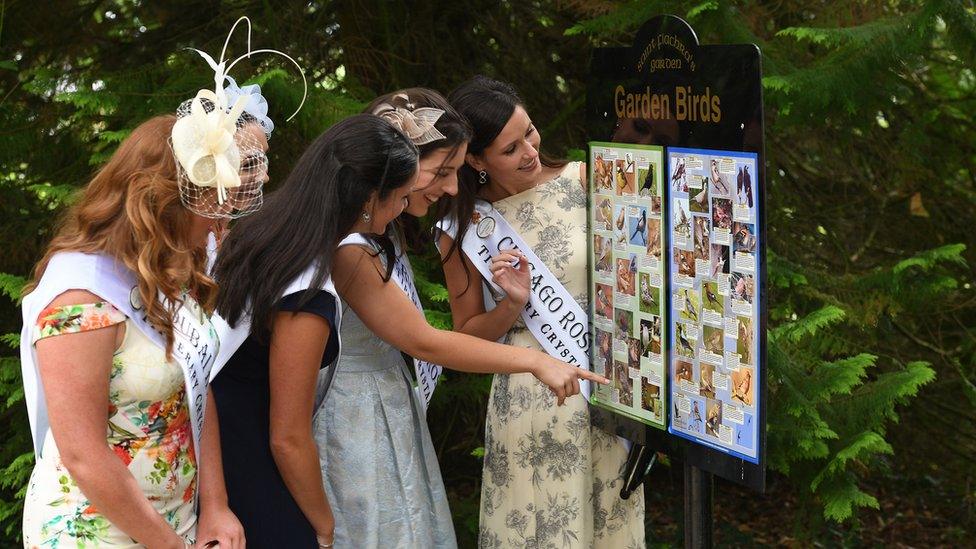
592 376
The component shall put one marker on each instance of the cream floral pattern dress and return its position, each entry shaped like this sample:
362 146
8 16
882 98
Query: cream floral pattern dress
552 477
148 430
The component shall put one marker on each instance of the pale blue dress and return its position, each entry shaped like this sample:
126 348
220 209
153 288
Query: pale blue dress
378 462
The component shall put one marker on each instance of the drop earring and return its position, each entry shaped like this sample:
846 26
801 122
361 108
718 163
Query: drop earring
366 216
482 177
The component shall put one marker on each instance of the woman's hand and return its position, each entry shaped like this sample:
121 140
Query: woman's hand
326 539
514 281
562 378
219 524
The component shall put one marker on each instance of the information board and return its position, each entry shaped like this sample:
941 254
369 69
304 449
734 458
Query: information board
703 103
627 257
714 306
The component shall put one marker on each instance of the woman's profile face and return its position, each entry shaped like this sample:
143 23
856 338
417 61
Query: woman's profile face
246 198
438 176
386 210
513 156
252 144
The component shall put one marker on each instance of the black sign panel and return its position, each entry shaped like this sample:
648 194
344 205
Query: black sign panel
703 103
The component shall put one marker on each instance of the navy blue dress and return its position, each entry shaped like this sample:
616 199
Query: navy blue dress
255 490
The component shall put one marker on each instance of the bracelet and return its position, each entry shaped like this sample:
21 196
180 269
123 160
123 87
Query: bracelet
326 545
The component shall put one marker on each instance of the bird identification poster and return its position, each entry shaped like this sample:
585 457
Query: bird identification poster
714 314
627 257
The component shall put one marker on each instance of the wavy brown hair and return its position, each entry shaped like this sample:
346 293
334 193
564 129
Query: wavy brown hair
131 211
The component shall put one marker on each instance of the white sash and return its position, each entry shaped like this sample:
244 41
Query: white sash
552 315
231 338
427 373
194 348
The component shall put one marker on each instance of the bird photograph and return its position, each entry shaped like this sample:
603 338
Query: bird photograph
648 295
692 302
685 260
713 417
625 176
712 301
678 176
602 253
743 344
646 177
604 215
706 388
722 213
638 228
744 187
701 238
742 386
654 238
682 224
698 200
720 260
686 347
744 238
742 287
719 186
713 339
604 301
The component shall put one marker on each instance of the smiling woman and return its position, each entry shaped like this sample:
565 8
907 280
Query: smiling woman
576 464
385 483
276 293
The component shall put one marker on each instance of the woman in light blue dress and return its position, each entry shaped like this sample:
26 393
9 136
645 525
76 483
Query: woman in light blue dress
378 463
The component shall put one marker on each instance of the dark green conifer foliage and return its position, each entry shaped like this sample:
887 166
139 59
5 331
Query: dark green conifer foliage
871 188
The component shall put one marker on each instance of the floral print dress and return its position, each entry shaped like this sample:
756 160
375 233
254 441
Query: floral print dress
552 477
148 430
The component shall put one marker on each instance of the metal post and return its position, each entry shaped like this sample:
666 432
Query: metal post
698 508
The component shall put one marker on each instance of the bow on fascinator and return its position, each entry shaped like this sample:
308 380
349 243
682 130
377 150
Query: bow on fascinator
254 103
203 142
416 124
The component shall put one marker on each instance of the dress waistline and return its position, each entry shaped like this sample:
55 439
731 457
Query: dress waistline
350 363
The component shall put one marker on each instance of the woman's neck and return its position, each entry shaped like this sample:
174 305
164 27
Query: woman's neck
497 190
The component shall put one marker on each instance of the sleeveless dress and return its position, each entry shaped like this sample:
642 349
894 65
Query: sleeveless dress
378 462
148 430
256 491
552 476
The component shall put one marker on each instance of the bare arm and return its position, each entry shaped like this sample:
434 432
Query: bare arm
217 521
297 345
75 371
467 308
357 275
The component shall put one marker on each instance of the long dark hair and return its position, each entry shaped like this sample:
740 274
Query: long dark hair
302 223
452 125
488 105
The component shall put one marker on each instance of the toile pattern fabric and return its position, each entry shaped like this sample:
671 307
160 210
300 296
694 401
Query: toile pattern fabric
148 430
378 462
551 476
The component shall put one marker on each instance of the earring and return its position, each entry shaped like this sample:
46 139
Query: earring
366 216
482 177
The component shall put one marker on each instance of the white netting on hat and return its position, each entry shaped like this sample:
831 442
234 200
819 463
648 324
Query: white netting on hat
212 190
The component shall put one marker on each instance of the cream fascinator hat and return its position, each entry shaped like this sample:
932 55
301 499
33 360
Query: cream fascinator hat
221 164
416 124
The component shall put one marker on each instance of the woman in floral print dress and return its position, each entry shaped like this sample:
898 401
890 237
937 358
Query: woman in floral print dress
552 474
116 327
148 430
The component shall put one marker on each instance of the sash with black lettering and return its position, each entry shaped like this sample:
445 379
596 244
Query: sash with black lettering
427 373
552 315
195 345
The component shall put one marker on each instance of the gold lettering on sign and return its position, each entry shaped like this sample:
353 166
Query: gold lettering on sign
689 105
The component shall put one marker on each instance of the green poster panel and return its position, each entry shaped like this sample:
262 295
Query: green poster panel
626 242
